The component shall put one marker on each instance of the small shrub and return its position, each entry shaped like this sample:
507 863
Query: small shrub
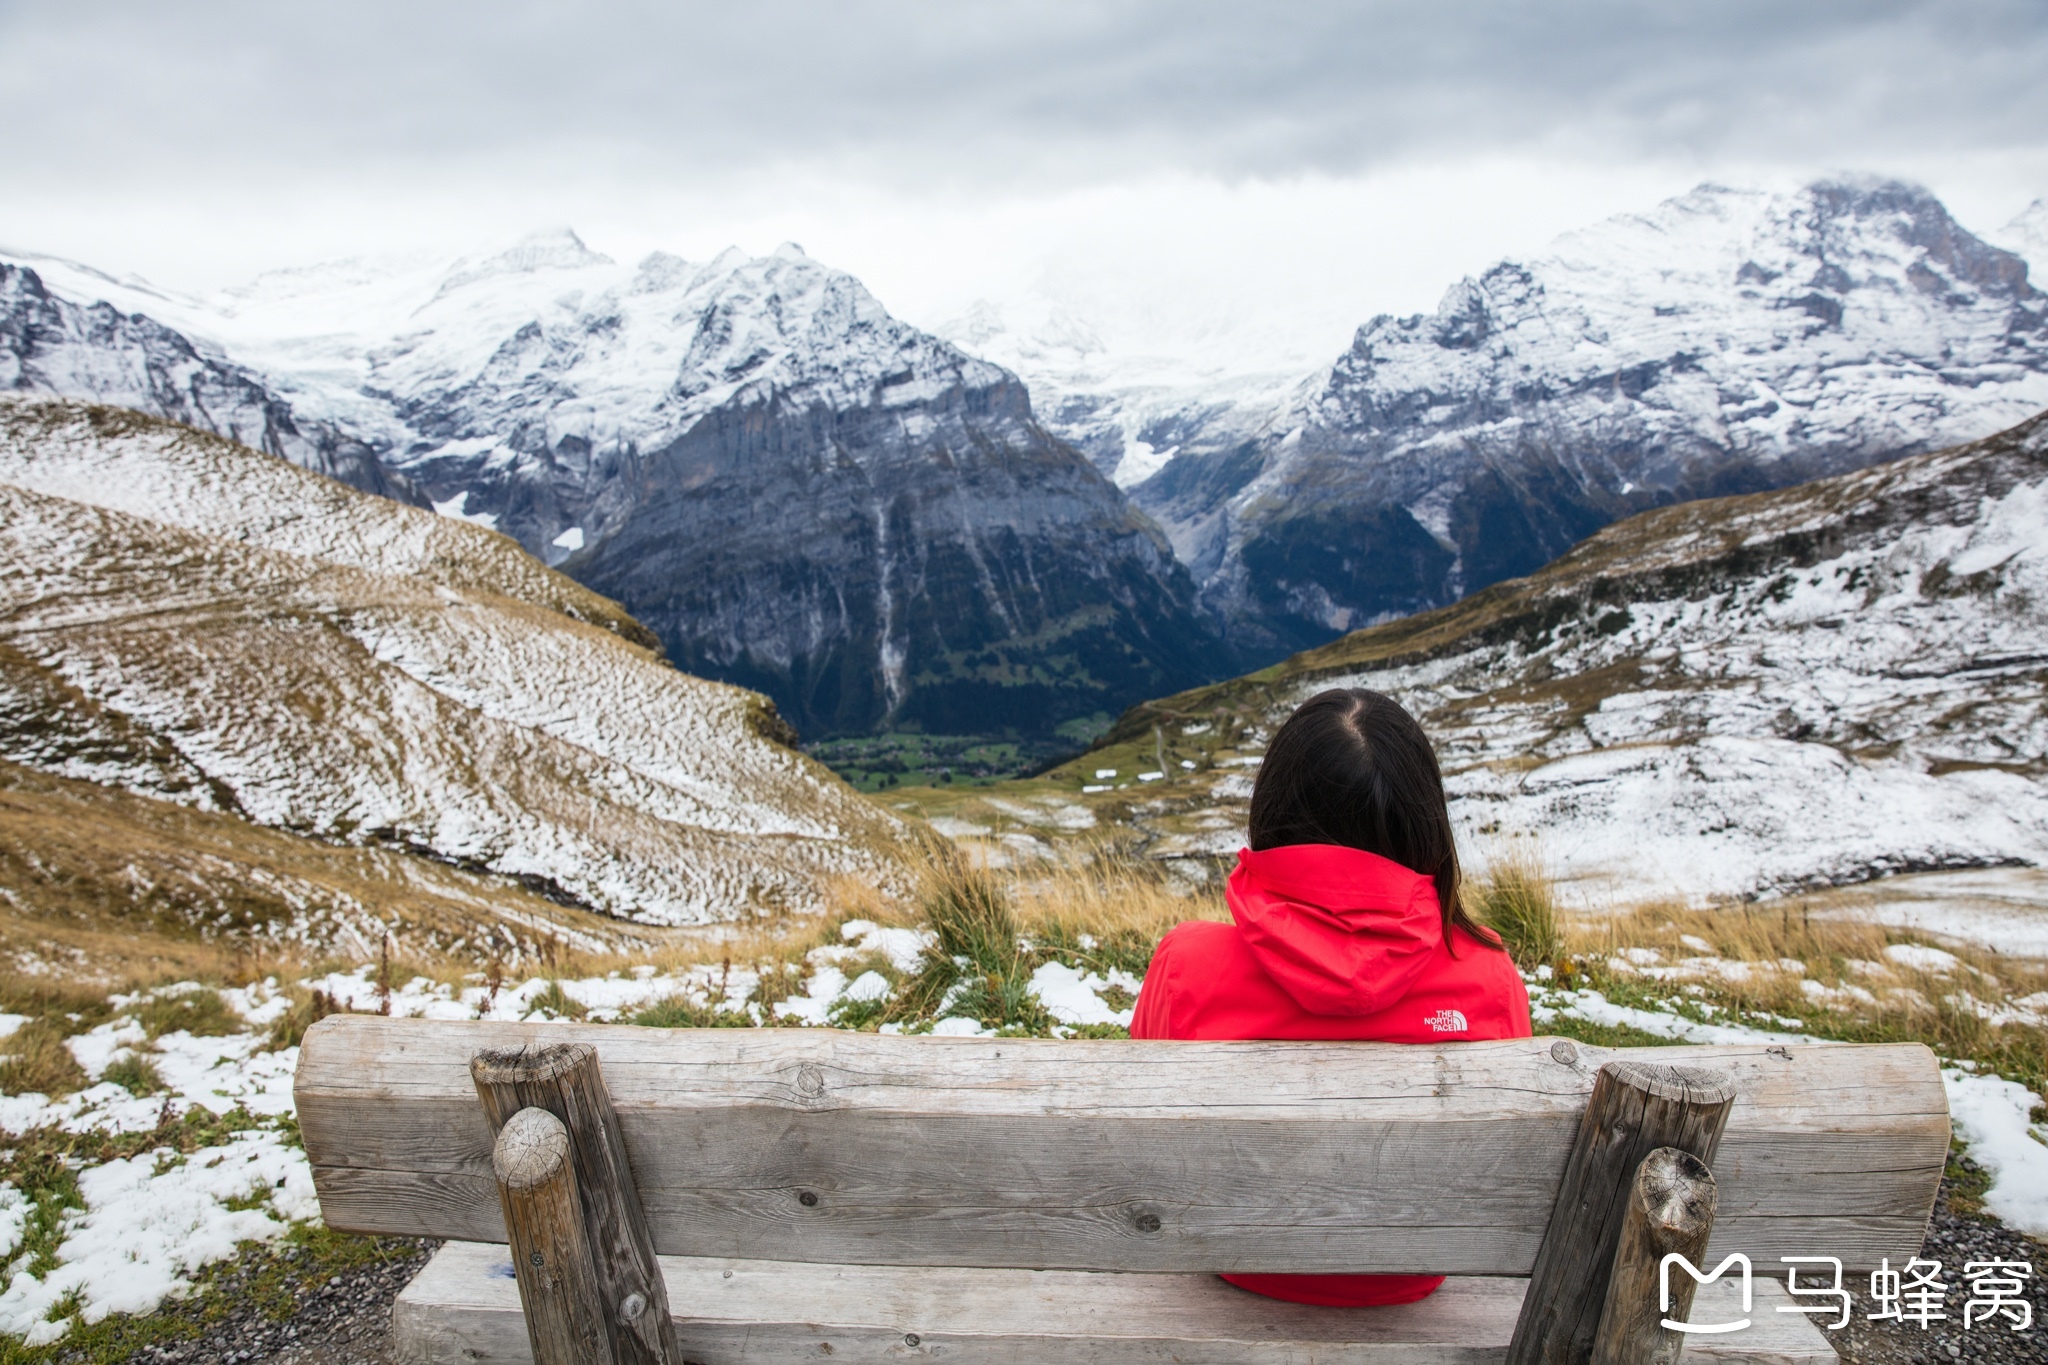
38 1062
555 1003
200 1012
777 982
135 1074
1517 902
290 1028
679 1011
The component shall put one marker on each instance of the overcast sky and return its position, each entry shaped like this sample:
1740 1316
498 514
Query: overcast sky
1354 157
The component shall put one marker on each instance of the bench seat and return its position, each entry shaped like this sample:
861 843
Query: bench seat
463 1309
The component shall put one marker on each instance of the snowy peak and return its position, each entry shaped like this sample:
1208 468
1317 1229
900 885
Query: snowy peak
2027 236
1726 340
540 253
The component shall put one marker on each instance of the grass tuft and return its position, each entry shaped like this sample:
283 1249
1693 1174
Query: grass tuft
39 1063
134 1073
199 1011
679 1011
1516 901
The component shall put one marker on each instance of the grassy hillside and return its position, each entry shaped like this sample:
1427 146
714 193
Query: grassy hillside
187 619
1793 689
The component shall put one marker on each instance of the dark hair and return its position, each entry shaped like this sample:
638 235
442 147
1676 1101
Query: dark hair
1351 767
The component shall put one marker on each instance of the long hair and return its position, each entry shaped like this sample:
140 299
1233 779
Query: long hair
1351 767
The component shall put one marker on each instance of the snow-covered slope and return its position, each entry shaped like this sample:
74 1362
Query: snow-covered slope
1728 697
1728 340
795 490
188 618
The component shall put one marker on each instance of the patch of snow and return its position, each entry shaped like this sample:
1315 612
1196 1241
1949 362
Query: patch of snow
870 985
1070 995
1992 1116
149 1221
570 540
452 509
957 1027
1922 958
14 1213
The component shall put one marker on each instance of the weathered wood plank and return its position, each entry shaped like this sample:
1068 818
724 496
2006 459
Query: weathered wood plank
463 1310
564 1083
1251 1156
1637 1107
558 1293
1670 1213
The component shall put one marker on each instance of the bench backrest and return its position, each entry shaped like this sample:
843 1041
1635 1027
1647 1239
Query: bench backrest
828 1146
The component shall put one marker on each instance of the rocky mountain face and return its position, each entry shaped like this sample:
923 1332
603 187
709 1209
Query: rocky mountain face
795 490
1727 341
1730 697
92 351
192 621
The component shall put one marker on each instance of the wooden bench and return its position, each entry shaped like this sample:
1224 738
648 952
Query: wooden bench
816 1194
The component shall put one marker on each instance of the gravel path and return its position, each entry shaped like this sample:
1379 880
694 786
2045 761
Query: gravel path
1954 1239
341 1319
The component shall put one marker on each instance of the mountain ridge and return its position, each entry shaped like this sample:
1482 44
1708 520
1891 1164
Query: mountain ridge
1724 698
795 490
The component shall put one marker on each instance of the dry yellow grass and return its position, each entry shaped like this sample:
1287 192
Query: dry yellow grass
1835 977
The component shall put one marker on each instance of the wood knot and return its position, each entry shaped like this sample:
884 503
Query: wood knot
1563 1053
807 1199
810 1080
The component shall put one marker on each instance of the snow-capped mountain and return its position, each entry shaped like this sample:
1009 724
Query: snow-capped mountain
1813 686
797 491
81 346
2027 237
191 620
1727 340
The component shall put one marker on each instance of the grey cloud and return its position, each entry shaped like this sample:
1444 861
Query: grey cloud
977 92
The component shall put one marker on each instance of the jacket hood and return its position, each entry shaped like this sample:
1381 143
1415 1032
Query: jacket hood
1342 931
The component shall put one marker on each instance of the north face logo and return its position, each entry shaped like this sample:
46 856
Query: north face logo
1447 1021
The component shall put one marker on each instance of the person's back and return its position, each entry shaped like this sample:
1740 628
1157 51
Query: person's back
1346 924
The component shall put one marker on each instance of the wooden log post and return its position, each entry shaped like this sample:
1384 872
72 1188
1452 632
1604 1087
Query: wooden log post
1670 1209
564 1080
550 1250
1635 1108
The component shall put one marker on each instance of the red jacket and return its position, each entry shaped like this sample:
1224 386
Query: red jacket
1330 943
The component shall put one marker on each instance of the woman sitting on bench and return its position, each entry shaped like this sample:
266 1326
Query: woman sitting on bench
1346 925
